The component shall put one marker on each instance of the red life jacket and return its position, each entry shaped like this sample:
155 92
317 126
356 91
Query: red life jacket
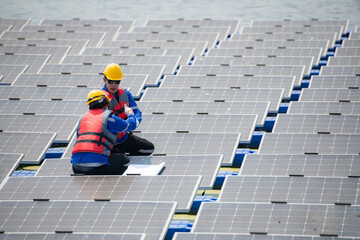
118 107
93 135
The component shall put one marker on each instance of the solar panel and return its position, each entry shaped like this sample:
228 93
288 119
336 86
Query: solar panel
211 38
206 166
273 95
32 145
4 28
63 125
223 31
349 51
31 107
199 47
344 61
111 31
180 189
330 94
286 36
354 35
244 124
194 23
44 93
73 236
9 162
124 51
75 44
340 70
34 62
11 72
171 62
125 24
266 52
259 108
334 81
154 71
305 23
134 82
345 124
293 29
282 143
285 219
93 37
192 81
333 108
301 165
348 43
303 190
57 53
16 24
87 217
324 44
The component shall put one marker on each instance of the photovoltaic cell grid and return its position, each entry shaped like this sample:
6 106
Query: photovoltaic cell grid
124 51
185 165
34 62
93 37
87 216
154 71
134 82
344 124
266 52
354 35
63 125
75 44
31 107
349 51
194 23
199 47
344 61
171 62
72 236
180 189
244 124
333 108
232 82
303 190
273 95
286 36
125 24
211 38
293 29
111 31
282 143
301 165
56 52
348 43
324 44
340 70
292 219
32 145
335 81
16 24
222 31
11 72
258 108
9 162
44 93
308 62
330 94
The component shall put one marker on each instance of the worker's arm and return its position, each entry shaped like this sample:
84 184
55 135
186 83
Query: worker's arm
116 124
134 107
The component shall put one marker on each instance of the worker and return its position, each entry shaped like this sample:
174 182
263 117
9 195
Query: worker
96 133
127 142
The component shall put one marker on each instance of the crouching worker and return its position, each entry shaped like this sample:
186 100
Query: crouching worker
96 133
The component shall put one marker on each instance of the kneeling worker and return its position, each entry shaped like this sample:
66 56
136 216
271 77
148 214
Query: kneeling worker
96 133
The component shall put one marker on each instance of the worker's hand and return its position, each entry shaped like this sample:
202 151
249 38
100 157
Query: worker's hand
128 110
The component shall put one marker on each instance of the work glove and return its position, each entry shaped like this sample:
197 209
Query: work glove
128 110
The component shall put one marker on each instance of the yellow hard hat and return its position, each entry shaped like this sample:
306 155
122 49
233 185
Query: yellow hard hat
96 96
113 72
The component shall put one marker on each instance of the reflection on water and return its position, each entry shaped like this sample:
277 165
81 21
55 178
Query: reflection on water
140 10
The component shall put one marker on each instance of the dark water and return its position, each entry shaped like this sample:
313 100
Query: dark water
140 10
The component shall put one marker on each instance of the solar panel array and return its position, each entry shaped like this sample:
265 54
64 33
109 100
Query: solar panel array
279 98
